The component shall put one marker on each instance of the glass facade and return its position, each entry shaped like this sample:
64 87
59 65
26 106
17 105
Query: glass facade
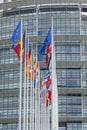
70 105
69 21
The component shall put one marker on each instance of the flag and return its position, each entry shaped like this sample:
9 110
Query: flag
46 47
35 73
42 81
42 97
30 58
50 93
49 49
35 66
15 38
24 48
48 96
23 43
48 82
16 34
47 100
28 67
48 59
31 73
17 48
17 42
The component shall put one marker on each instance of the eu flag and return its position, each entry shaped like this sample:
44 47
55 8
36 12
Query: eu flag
16 34
47 41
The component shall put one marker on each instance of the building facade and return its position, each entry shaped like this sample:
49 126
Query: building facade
69 31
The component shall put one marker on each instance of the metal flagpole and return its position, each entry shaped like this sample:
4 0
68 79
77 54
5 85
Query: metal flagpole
35 88
25 102
45 109
54 89
38 96
30 103
24 109
31 99
36 102
33 94
27 115
47 116
20 89
27 97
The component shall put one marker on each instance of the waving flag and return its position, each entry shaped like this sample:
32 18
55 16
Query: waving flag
24 52
17 50
46 47
16 34
42 97
28 66
17 42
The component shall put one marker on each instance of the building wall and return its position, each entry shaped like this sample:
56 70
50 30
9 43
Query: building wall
70 30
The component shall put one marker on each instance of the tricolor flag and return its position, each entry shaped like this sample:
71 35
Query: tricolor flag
17 42
28 65
15 38
35 66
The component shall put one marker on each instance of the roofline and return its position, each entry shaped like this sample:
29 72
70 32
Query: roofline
15 4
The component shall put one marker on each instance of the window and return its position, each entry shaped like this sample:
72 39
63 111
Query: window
5 1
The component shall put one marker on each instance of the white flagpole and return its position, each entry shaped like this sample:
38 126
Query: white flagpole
36 89
44 108
32 93
28 90
30 103
54 89
36 99
31 100
48 121
24 110
38 104
27 115
20 89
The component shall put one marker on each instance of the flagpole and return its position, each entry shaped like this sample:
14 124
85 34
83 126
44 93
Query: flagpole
24 110
30 91
27 97
44 107
48 122
32 94
38 99
36 89
30 102
20 89
54 89
36 123
27 115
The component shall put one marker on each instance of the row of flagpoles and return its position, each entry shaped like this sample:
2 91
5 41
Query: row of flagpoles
38 91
